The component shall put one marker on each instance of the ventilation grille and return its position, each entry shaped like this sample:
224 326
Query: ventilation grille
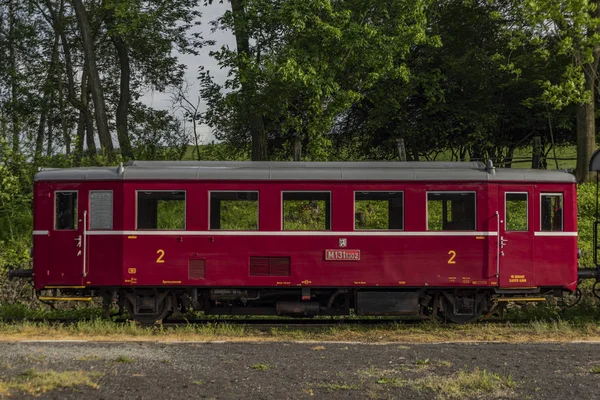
196 268
269 266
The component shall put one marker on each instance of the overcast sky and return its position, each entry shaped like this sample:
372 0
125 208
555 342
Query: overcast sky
162 100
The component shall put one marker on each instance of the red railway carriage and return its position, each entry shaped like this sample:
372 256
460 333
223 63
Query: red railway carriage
304 238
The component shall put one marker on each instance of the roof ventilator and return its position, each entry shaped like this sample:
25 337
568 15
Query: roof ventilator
489 167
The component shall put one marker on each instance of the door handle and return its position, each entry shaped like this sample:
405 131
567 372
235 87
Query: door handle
503 241
78 240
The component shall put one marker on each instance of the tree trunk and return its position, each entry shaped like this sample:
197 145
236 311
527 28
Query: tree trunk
50 134
94 79
124 98
586 120
39 140
13 77
255 118
85 116
586 138
86 93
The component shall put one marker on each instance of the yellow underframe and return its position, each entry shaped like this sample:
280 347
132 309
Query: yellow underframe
522 299
50 298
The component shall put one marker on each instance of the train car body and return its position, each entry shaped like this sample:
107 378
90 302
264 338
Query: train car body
305 238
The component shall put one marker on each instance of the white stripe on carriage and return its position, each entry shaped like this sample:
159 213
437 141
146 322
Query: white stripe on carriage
292 233
555 233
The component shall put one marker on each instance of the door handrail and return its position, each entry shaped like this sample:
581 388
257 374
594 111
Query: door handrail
498 238
84 243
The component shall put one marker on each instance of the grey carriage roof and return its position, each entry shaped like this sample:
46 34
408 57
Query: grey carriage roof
314 171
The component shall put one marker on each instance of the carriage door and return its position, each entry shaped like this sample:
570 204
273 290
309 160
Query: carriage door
68 239
515 236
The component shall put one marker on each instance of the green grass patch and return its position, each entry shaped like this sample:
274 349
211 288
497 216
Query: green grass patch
428 331
595 369
36 382
260 367
125 360
466 384
334 387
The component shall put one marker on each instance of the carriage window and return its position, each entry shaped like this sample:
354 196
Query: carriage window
234 211
101 209
552 215
516 212
450 211
378 210
161 210
65 210
306 211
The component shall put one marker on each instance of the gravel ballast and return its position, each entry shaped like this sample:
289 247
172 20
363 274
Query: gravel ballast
305 370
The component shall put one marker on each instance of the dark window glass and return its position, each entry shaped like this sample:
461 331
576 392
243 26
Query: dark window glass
306 211
234 211
552 215
65 217
378 210
161 210
516 211
450 211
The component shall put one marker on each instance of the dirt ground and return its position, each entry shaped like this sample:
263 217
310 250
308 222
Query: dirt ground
306 370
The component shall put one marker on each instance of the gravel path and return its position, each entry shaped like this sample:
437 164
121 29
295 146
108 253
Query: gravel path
307 370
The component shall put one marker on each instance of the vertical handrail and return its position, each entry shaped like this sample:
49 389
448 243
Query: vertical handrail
498 245
596 224
84 243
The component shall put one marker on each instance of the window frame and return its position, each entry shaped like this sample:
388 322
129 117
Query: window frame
112 211
307 191
527 210
235 191
449 191
156 191
562 212
76 228
377 230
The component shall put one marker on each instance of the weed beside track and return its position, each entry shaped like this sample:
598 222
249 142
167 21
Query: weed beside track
535 323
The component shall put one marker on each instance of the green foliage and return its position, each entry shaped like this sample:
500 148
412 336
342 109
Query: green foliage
170 214
310 61
586 216
304 215
371 214
516 214
239 215
157 135
15 208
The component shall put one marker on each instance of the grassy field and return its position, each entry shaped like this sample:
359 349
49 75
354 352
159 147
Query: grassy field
537 323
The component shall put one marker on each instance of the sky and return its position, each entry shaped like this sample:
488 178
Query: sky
161 100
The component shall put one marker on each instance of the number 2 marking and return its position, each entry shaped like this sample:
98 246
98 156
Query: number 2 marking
452 254
161 253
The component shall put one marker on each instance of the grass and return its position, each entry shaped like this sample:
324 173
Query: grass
36 382
466 384
539 330
260 367
595 369
389 381
334 387
125 360
90 357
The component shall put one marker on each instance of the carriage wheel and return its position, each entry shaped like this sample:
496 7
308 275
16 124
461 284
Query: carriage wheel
149 316
457 315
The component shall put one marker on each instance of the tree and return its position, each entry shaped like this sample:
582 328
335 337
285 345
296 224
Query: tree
568 28
94 79
310 61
